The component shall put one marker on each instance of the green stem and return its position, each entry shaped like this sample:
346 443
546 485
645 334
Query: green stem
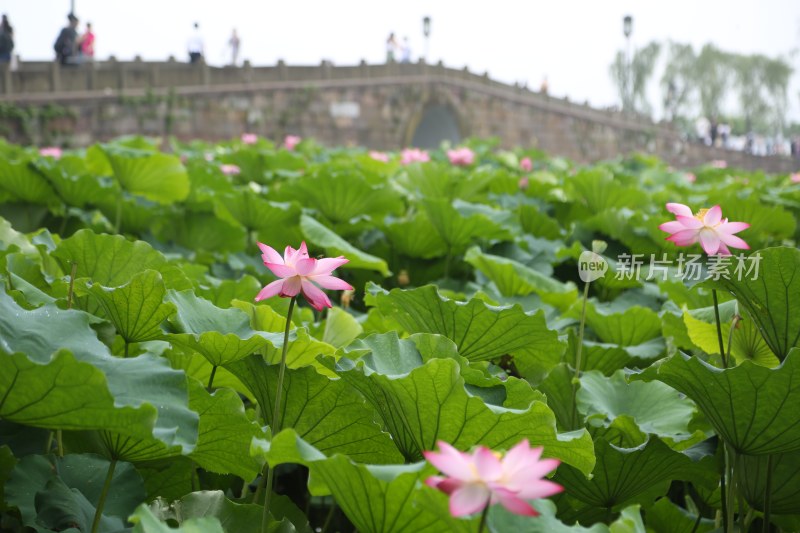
730 457
768 496
447 260
102 502
329 518
276 412
71 291
484 514
126 349
59 443
118 218
734 322
697 522
578 352
719 329
211 377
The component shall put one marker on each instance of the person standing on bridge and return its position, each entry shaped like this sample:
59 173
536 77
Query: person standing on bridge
67 39
234 43
6 40
391 48
86 44
195 45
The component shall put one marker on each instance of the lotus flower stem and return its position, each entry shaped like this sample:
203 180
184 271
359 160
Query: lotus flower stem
276 412
719 329
118 216
767 496
578 351
71 292
60 443
102 501
730 458
734 323
211 377
484 514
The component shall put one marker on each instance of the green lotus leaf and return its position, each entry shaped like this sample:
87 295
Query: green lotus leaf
412 237
204 231
137 308
55 493
375 498
666 517
459 231
75 184
144 386
784 486
481 332
625 475
500 519
334 245
769 295
633 326
396 379
147 522
327 413
750 406
20 181
515 279
156 176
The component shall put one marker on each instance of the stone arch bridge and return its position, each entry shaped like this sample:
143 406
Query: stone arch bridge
385 106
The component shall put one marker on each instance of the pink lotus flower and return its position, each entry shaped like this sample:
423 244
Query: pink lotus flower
461 156
482 478
379 156
526 165
249 138
50 151
795 178
691 178
291 141
413 155
523 183
230 170
719 163
300 273
707 226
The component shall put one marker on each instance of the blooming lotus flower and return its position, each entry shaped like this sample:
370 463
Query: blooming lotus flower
379 156
249 138
461 156
413 155
291 141
707 226
230 170
523 183
483 478
300 273
50 151
691 178
526 165
795 178
719 163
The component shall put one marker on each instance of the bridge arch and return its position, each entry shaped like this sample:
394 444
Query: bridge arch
434 120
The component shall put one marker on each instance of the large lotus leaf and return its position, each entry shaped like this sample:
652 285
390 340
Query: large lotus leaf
784 486
666 517
397 383
7 463
767 226
71 178
334 245
341 196
137 308
56 493
21 182
204 231
751 407
654 407
435 181
515 279
633 326
131 214
222 292
169 479
220 335
145 383
458 231
623 475
534 221
747 342
501 520
327 413
412 237
196 366
11 237
595 190
156 176
375 498
481 332
255 212
340 328
146 522
770 295
110 260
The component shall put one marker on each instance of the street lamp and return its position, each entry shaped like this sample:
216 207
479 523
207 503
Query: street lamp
627 29
426 31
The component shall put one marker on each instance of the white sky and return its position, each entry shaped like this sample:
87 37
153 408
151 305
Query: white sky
572 42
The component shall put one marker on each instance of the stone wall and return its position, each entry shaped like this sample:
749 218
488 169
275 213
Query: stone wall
377 106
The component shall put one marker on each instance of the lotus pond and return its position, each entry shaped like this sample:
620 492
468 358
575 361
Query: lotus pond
522 348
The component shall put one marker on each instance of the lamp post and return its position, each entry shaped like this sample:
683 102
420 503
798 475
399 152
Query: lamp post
426 31
627 29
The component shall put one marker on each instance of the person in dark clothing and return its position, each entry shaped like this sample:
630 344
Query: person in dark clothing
6 40
67 39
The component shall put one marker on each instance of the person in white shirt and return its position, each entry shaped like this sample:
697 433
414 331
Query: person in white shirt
195 45
405 51
234 43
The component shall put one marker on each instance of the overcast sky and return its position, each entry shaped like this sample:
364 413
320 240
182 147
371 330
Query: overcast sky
572 42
